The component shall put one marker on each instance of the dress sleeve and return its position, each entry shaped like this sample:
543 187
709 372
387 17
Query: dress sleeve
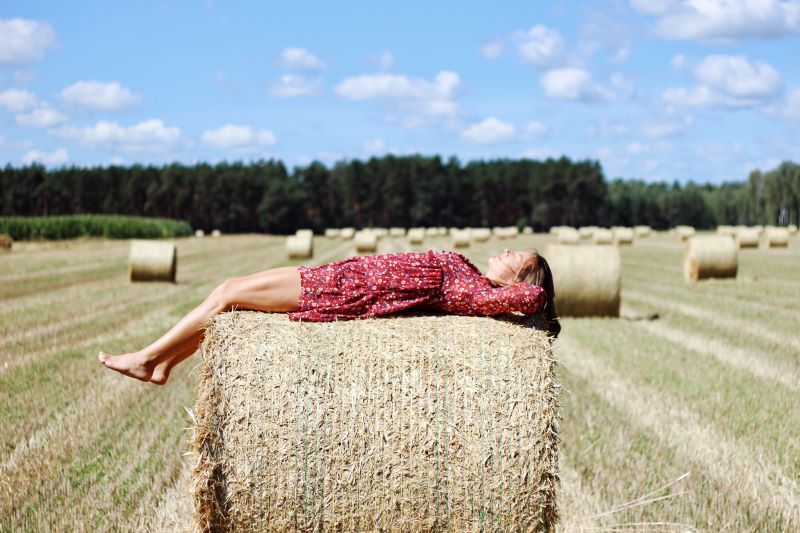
522 297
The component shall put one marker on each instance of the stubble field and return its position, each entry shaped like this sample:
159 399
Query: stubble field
687 421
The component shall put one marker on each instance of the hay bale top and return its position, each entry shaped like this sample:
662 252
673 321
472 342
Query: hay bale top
347 233
368 424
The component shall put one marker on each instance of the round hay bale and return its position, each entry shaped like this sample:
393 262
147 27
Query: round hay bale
461 238
6 242
416 235
623 236
366 241
216 233
603 236
586 232
712 256
554 230
397 232
347 233
747 238
199 233
333 232
684 232
726 230
299 246
777 238
642 231
568 235
305 233
527 230
152 261
792 229
587 279
481 234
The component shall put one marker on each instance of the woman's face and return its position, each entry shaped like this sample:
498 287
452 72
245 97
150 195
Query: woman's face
505 266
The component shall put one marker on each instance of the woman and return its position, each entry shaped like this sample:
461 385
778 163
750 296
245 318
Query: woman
359 287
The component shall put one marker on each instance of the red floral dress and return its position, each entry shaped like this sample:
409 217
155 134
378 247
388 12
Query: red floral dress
369 286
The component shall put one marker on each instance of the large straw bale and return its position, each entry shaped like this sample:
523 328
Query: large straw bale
623 236
642 231
684 232
711 256
405 423
568 235
299 246
333 232
792 228
152 261
587 279
6 242
397 232
481 234
460 237
347 233
366 241
603 236
777 238
416 235
199 233
747 237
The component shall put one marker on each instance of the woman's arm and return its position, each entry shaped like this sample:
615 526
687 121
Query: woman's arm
522 297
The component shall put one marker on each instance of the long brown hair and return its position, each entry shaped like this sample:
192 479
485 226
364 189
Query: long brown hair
537 272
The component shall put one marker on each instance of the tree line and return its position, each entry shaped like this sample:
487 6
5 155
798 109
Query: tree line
264 196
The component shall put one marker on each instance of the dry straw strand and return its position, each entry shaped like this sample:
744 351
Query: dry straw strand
404 423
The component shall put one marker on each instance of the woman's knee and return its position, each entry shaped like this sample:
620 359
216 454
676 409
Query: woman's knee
224 296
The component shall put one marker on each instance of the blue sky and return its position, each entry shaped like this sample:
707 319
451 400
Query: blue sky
703 90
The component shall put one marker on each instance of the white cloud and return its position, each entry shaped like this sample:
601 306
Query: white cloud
42 116
107 96
728 81
374 147
147 136
573 84
300 58
22 75
541 46
678 61
623 84
237 137
426 98
291 85
23 40
535 130
17 100
57 157
665 129
609 129
723 20
489 131
492 49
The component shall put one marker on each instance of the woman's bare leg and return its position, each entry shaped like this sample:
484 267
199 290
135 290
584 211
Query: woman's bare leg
274 290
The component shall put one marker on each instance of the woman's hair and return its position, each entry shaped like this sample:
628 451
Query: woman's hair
537 272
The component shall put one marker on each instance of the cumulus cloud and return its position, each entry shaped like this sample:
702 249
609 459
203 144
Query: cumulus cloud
17 100
22 75
489 131
291 85
41 116
107 96
535 130
541 46
723 20
59 156
667 129
147 136
240 138
300 58
728 81
573 84
678 61
492 49
23 40
424 98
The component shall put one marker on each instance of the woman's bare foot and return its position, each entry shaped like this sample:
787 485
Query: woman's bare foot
137 365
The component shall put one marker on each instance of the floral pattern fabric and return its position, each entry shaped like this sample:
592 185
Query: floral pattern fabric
369 286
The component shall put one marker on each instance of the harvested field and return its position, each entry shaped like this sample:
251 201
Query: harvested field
709 388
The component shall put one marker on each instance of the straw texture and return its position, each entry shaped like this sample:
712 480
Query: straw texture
747 238
6 242
623 236
777 237
712 256
407 423
152 261
587 279
602 236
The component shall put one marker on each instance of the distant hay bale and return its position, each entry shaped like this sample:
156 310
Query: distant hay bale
587 279
777 238
366 241
554 230
527 230
460 237
726 230
306 233
586 232
397 232
378 232
406 423
568 235
299 246
216 233
347 233
333 232
712 256
199 233
416 235
747 238
792 229
481 234
152 261
684 232
431 232
6 242
603 236
642 232
623 236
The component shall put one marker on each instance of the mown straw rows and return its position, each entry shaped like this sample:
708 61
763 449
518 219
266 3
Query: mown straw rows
708 388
